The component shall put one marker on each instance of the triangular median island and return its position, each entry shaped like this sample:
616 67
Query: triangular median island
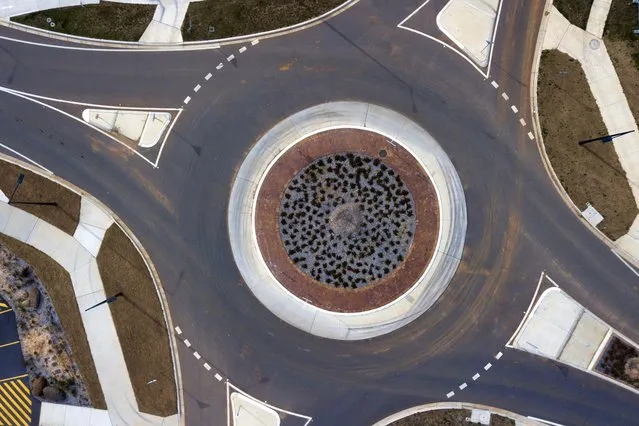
135 128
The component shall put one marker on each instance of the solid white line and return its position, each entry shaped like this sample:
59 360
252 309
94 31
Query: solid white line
254 42
476 376
197 88
207 366
187 343
487 366
551 280
242 49
178 330
450 394
463 386
499 355
522 122
230 58
413 13
531 136
504 95
197 355
208 76
267 404
187 100
494 84
166 136
514 108
634 271
490 58
26 158
521 324
545 421
219 66
218 377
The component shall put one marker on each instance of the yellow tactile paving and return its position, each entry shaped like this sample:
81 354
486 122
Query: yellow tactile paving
15 403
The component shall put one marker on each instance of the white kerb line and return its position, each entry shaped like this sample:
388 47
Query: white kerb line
634 271
26 158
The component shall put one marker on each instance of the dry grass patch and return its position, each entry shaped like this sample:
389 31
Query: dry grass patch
139 322
590 173
576 11
41 197
60 289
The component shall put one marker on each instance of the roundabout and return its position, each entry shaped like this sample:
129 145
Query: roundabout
347 220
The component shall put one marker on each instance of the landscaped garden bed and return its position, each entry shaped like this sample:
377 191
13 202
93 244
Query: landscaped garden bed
590 173
448 418
52 336
139 322
620 361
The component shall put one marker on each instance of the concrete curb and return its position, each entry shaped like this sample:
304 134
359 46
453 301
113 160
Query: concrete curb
521 420
101 44
301 314
542 148
147 260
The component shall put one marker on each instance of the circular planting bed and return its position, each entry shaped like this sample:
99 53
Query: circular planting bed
347 220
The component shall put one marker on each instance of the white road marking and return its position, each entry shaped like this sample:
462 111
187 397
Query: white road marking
545 421
494 84
207 366
531 136
187 100
476 376
166 136
504 95
219 66
178 330
521 324
208 76
26 158
230 58
634 271
187 343
487 366
499 355
463 386
197 88
514 108
197 355
522 122
218 377
254 42
450 394
242 49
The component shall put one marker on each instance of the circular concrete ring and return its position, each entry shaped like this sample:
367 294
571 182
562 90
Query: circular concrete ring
300 314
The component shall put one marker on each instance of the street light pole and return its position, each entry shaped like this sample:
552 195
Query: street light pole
108 300
18 183
606 139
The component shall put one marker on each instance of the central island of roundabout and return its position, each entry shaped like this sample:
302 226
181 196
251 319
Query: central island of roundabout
347 220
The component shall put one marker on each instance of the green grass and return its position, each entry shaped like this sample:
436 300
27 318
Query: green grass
109 21
576 11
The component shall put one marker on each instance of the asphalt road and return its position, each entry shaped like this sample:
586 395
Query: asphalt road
517 223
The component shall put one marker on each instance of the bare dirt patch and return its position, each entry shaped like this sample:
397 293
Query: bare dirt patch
139 322
448 418
576 11
59 289
41 197
617 362
591 173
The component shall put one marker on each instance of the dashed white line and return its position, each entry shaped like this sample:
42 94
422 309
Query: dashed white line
463 386
178 330
487 366
514 108
531 136
254 42
504 95
230 58
476 376
494 84
242 49
218 377
197 355
208 76
187 343
207 366
522 122
187 100
219 66
499 355
450 394
197 88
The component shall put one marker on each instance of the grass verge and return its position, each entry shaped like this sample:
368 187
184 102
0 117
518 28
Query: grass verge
139 322
576 11
59 287
41 197
590 173
106 20
240 17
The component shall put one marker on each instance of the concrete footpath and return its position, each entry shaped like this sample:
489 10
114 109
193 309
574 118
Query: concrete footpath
77 255
589 49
